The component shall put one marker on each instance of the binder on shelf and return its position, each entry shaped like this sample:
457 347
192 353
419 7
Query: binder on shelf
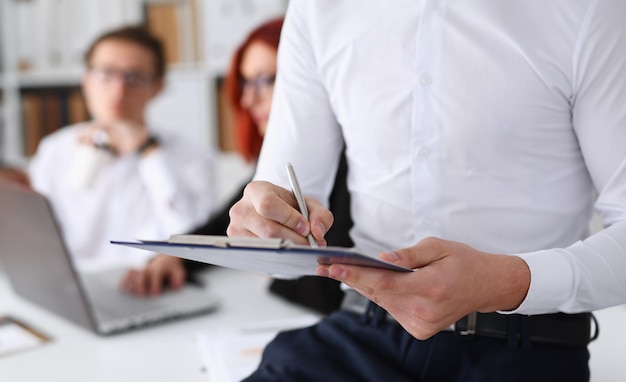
32 122
225 118
53 116
45 110
77 107
162 20
175 23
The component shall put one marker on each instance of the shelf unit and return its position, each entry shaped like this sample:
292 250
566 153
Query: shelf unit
42 42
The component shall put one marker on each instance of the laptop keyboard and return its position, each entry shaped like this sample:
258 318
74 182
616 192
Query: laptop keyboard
118 310
111 303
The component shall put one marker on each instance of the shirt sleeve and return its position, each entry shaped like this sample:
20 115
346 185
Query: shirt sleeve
179 180
44 166
591 274
302 128
37 169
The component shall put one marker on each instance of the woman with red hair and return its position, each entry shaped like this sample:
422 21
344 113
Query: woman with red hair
249 88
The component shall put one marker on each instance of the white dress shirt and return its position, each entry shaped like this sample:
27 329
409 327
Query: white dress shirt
169 191
493 123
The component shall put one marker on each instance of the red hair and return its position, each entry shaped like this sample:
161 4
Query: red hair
247 138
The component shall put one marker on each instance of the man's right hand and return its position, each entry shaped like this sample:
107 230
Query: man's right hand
270 211
151 280
124 137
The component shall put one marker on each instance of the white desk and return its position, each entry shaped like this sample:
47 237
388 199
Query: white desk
165 352
168 353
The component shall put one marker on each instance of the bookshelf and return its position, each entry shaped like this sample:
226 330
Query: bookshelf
42 42
41 49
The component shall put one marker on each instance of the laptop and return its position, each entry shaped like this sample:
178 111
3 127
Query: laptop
40 269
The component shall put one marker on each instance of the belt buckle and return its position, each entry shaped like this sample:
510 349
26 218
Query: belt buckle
470 330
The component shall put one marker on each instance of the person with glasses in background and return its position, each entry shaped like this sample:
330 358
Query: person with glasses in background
114 176
250 88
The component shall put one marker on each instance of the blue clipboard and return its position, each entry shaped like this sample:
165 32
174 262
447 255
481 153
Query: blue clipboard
271 256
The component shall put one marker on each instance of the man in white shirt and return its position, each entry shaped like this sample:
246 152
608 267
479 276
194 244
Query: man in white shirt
478 135
146 185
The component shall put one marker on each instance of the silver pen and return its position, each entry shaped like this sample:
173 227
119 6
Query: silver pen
297 192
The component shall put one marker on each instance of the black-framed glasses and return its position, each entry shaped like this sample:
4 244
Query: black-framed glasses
260 85
131 78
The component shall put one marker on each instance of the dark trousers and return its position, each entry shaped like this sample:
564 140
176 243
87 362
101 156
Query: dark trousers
349 347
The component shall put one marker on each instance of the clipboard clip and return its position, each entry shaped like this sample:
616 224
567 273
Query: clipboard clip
226 242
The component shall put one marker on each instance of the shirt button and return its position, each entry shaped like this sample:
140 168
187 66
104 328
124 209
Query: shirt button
426 80
426 223
423 152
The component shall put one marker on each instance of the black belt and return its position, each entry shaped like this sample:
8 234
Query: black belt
556 328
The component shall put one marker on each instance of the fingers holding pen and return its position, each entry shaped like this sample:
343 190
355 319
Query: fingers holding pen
267 210
320 220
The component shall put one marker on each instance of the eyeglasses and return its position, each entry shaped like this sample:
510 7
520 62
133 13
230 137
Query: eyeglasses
260 85
132 79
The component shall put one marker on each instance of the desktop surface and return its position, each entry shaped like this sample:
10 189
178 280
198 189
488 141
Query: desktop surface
164 352
168 352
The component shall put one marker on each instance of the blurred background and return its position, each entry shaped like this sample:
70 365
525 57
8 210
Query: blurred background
42 43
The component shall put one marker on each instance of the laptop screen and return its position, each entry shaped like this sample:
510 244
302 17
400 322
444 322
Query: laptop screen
40 269
34 256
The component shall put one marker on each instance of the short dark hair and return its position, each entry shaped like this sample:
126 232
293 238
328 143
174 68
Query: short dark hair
138 35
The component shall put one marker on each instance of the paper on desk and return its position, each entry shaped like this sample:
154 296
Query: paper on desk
16 336
231 354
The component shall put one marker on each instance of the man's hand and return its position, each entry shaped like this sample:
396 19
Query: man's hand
124 137
270 211
450 280
14 175
150 280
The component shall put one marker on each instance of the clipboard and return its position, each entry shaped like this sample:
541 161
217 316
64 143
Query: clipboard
271 256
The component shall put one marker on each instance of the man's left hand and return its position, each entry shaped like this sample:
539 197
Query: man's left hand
449 280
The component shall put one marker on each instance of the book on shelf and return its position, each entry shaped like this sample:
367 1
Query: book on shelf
77 107
45 110
225 117
52 112
32 123
175 24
